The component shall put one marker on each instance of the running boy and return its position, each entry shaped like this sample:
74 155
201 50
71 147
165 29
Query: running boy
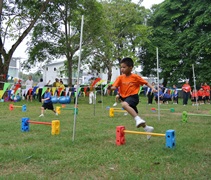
47 103
129 85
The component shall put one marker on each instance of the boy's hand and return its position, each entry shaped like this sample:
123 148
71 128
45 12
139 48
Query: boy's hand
154 90
109 86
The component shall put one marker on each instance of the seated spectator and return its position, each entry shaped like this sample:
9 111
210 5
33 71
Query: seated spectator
166 98
160 96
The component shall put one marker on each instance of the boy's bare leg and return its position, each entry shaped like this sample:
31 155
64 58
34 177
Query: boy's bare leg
139 121
131 111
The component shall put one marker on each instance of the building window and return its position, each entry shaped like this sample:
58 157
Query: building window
54 69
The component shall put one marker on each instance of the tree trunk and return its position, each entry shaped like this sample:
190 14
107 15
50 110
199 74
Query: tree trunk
5 57
70 63
109 73
4 72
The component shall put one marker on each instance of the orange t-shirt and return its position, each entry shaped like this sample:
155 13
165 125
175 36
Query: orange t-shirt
207 90
129 85
194 94
206 87
186 88
200 93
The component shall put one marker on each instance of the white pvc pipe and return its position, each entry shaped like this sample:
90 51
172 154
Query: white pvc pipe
79 64
194 81
158 83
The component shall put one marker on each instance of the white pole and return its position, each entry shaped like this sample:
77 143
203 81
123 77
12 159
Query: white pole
194 81
158 83
101 88
79 64
94 100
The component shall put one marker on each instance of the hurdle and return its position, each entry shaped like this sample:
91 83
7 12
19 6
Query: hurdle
185 116
55 125
11 107
120 136
112 110
171 109
58 109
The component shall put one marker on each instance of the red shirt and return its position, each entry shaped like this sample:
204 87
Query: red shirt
207 90
200 93
194 94
186 88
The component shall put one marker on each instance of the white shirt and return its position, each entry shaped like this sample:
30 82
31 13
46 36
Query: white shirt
41 84
29 84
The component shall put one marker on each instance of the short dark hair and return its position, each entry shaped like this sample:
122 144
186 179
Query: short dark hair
41 79
128 61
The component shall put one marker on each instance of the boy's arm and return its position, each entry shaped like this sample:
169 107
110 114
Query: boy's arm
113 87
152 87
47 98
48 82
110 87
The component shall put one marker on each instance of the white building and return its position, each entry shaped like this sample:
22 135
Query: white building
52 71
57 70
115 74
14 68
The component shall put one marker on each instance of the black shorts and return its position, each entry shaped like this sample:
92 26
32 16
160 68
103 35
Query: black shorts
193 100
48 106
132 100
207 97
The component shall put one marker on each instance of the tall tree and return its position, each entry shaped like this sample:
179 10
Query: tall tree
122 35
17 20
58 33
181 31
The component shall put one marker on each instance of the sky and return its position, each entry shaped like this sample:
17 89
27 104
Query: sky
148 3
20 51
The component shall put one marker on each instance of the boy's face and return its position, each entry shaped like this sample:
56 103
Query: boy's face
125 69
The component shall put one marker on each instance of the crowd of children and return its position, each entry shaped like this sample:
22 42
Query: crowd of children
163 95
201 96
166 95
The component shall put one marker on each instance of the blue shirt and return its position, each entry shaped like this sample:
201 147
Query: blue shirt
166 96
160 94
47 95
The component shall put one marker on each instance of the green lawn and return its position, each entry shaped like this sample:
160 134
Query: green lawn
93 154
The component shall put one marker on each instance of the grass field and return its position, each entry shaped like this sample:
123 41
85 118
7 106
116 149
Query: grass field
93 154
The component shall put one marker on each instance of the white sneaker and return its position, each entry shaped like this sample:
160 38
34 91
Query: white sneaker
125 114
115 104
56 114
41 115
149 129
139 122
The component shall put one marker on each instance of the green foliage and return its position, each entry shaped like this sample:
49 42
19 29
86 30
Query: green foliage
17 20
181 31
122 34
57 35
